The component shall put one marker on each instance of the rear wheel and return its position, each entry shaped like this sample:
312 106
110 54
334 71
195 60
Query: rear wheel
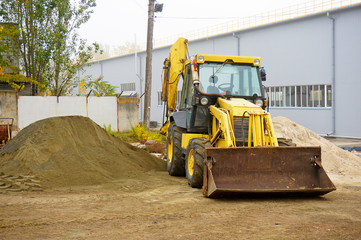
175 158
194 161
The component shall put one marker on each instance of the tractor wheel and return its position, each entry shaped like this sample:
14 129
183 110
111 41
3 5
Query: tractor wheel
175 158
194 161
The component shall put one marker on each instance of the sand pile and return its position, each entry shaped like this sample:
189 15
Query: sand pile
334 159
68 151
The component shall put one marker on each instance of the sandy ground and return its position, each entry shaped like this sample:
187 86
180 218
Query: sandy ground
139 200
147 208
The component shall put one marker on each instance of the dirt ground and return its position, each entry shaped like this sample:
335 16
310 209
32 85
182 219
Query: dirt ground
67 178
146 208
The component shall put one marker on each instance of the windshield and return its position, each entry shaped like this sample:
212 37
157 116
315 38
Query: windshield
240 80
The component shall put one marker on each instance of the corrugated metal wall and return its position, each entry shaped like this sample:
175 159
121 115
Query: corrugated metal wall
294 52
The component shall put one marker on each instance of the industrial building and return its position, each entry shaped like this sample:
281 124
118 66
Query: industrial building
313 65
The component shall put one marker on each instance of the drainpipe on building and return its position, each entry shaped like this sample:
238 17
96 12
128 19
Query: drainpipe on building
139 76
333 76
140 85
238 44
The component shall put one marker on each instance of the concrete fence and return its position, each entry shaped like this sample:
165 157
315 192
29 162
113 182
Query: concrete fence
120 113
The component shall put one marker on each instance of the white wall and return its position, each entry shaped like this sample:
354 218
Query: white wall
34 108
102 110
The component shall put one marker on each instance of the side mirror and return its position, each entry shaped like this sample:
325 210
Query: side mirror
263 74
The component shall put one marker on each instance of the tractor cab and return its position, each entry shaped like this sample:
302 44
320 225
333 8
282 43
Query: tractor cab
210 77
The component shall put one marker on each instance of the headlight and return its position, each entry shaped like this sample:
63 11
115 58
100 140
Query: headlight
259 102
256 62
204 101
201 59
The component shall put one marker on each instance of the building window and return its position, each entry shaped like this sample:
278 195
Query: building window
303 96
160 102
127 86
329 96
300 96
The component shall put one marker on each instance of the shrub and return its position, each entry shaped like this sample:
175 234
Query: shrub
143 134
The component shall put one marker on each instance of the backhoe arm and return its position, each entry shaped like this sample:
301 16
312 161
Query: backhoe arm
172 70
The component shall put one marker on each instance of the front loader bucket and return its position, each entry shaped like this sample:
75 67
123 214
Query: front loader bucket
265 170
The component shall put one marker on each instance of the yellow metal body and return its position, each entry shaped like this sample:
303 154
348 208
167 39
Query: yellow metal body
172 70
174 67
223 58
260 132
170 148
236 163
190 164
222 130
186 137
164 128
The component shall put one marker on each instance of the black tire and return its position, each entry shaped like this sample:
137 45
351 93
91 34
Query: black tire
194 161
175 158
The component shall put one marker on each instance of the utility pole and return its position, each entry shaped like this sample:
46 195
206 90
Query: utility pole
148 65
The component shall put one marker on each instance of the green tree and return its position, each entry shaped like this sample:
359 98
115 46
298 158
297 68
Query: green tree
45 39
101 87
10 73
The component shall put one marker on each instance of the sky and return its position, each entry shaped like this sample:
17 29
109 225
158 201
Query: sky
116 22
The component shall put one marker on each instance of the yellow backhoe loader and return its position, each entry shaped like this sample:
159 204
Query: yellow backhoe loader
220 136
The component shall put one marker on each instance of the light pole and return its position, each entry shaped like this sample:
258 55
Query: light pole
148 64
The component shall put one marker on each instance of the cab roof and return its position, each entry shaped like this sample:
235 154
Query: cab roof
203 58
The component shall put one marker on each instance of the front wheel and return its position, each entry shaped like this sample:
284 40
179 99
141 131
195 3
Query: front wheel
194 161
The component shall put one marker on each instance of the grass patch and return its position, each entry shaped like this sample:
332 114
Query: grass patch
137 133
